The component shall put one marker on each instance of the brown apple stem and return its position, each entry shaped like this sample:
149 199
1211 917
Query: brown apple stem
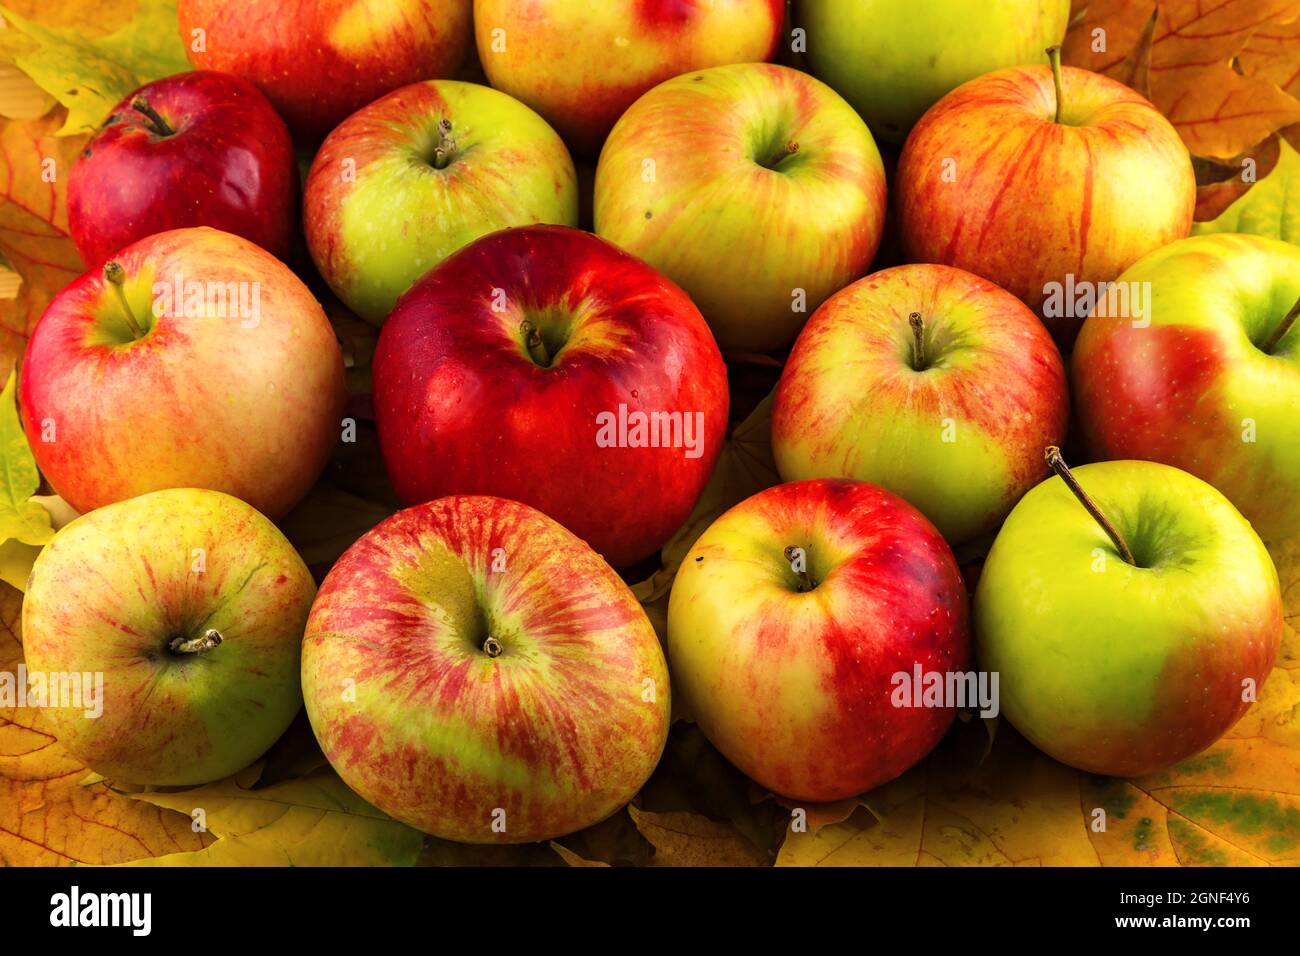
536 347
1058 465
1282 329
918 340
115 275
1054 57
492 647
445 151
156 122
196 645
788 148
806 582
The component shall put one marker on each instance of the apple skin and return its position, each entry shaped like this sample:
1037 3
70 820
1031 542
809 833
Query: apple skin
1181 390
894 59
373 234
1126 670
319 61
1031 201
794 687
558 731
197 402
738 236
850 404
462 408
116 586
229 164
581 66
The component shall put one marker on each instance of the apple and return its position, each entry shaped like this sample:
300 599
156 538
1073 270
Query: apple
928 381
319 62
542 364
195 359
411 178
894 59
1006 179
581 66
475 671
197 149
179 614
1211 382
792 618
755 187
1131 613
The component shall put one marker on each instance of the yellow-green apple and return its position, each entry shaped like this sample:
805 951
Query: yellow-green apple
791 621
197 149
408 180
755 187
195 359
1210 381
928 381
582 65
184 610
893 59
1131 614
474 670
544 365
320 60
1008 179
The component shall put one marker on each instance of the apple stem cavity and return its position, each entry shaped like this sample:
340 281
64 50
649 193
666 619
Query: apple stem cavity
1054 57
492 647
918 341
806 583
115 276
533 342
157 124
1282 329
196 645
786 150
445 151
1058 465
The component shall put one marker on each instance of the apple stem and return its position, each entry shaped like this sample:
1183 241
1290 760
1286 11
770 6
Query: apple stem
157 123
1058 465
492 647
1054 57
536 347
115 275
1282 329
788 148
445 151
195 645
918 340
806 582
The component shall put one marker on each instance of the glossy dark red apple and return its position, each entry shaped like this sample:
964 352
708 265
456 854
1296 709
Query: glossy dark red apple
545 365
196 149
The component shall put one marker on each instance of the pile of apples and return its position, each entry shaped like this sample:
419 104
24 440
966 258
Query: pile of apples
551 403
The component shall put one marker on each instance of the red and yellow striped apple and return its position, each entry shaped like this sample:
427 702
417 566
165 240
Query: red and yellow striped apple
928 381
544 365
754 187
476 671
581 65
791 670
194 360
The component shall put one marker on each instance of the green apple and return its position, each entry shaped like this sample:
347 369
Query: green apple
187 608
1131 613
894 59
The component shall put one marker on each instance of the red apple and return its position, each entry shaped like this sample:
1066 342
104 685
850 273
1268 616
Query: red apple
320 60
800 622
194 360
474 670
197 149
543 364
1001 179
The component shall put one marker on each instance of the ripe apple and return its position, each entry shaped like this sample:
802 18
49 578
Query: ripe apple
1006 179
319 62
928 381
1211 383
410 179
476 671
197 149
1131 613
186 609
544 365
581 66
893 59
754 187
791 671
195 359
